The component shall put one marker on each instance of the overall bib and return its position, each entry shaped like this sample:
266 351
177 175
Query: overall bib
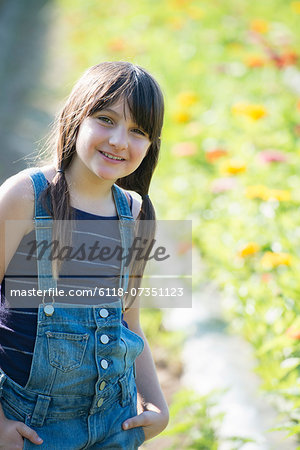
81 386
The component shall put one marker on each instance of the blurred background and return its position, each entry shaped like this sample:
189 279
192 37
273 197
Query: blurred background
230 73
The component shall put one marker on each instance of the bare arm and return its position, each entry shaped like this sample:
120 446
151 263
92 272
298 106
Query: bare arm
152 406
16 212
153 414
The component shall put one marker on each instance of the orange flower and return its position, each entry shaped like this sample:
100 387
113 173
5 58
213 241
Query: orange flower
266 277
254 111
187 98
182 117
293 333
297 129
184 247
184 149
255 61
288 58
117 45
214 154
295 7
298 104
233 167
249 249
270 260
259 26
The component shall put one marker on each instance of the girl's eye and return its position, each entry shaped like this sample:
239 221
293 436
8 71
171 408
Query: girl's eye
138 131
105 119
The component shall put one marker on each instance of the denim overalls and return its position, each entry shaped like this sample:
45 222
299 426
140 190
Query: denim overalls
81 386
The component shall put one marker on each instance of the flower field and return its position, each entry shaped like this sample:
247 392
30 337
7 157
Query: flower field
230 161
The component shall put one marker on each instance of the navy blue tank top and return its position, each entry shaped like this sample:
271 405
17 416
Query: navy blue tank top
18 322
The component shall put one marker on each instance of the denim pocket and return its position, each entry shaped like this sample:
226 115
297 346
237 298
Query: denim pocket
134 345
11 412
66 350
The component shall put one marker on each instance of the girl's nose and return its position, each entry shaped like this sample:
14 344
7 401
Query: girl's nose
119 138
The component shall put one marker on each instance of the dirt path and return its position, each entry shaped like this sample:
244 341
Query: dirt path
215 359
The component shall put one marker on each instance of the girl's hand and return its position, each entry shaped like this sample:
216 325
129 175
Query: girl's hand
152 422
13 432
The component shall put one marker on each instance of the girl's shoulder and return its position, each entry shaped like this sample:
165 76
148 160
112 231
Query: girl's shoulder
136 202
17 195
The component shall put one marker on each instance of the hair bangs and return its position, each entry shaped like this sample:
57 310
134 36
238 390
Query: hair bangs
141 93
146 104
108 94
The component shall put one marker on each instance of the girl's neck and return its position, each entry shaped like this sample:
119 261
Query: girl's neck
89 192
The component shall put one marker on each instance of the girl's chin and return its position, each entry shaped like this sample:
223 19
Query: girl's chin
106 175
109 175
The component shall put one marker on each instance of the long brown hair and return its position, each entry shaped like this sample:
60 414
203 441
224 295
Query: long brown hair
100 86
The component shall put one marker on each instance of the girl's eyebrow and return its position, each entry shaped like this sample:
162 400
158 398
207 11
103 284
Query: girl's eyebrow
108 110
111 111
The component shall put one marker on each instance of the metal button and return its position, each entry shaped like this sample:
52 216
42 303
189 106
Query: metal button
102 385
100 402
49 310
104 339
103 312
104 363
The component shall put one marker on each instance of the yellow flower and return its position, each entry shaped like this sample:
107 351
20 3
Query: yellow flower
249 249
254 111
182 117
179 4
258 191
187 98
259 25
195 12
233 167
295 7
264 193
272 259
176 23
279 194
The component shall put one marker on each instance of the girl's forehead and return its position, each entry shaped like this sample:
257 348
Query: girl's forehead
120 107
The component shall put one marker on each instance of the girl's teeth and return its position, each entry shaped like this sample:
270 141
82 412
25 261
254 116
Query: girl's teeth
112 157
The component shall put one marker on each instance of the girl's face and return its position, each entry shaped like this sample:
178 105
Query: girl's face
110 144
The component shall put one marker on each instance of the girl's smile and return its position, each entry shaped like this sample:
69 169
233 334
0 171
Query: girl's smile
110 144
112 157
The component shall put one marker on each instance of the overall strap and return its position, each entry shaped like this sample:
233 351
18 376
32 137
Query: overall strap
126 226
43 232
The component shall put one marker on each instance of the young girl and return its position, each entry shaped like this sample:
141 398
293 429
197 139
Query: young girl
76 377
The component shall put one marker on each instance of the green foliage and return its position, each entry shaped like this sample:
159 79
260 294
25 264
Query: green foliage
152 324
194 422
226 69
